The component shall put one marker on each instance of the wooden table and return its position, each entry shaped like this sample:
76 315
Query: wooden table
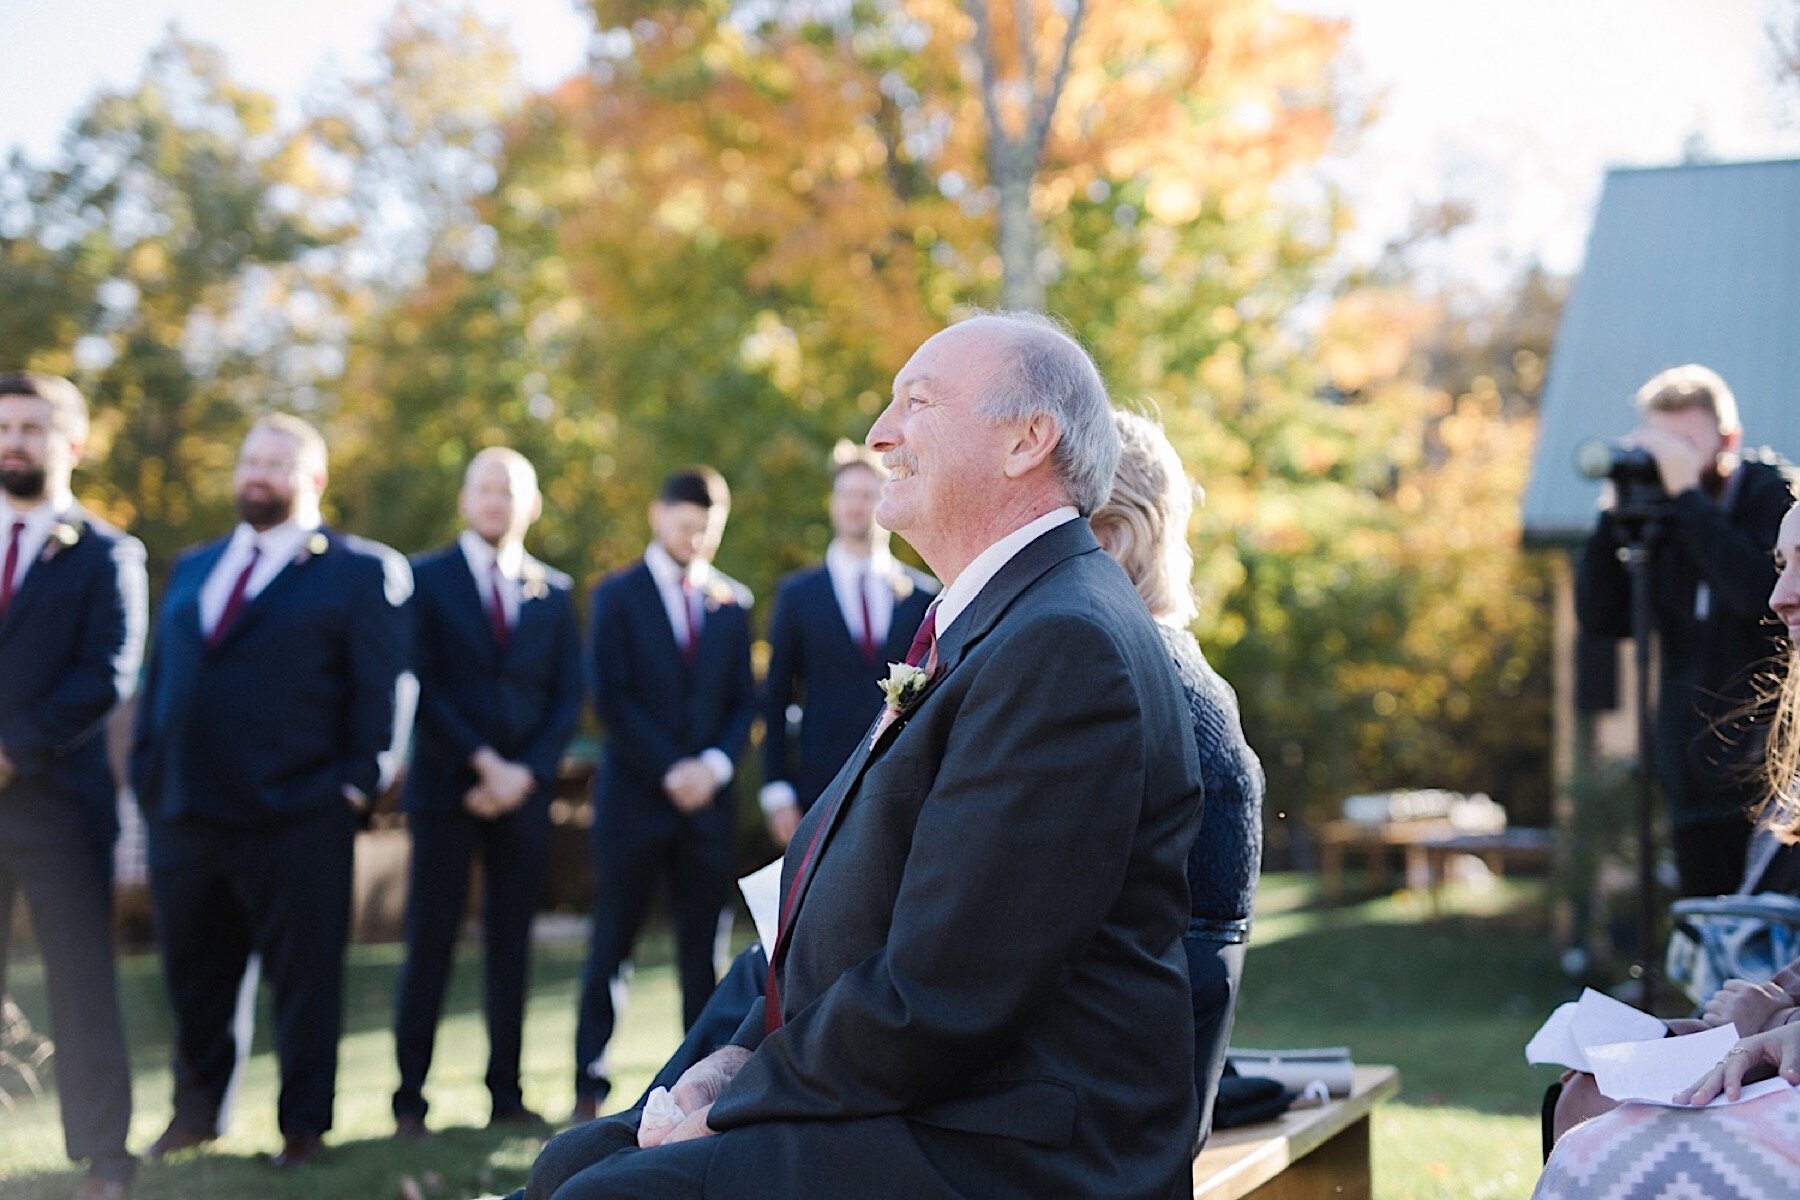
1342 837
1303 1155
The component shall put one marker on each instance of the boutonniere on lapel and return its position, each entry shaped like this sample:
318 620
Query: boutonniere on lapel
311 548
903 687
62 535
533 583
902 584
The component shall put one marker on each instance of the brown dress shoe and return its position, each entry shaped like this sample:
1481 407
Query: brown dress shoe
175 1139
411 1129
518 1115
104 1189
586 1109
298 1149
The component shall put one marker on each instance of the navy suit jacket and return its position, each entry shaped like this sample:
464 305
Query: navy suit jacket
656 708
815 662
523 702
71 643
982 978
297 700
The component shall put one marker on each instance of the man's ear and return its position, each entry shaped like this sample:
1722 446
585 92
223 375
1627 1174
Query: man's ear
1033 443
1733 441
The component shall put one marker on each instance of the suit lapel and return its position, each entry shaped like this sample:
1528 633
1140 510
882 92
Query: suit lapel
279 585
837 798
1021 571
1025 568
652 609
827 600
42 574
473 604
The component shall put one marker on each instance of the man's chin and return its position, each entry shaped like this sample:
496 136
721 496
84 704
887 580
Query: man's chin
22 483
263 514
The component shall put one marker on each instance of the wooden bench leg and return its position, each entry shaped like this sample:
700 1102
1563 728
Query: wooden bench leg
1338 1170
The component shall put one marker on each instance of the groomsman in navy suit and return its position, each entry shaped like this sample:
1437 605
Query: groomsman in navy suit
836 628
72 614
670 655
265 731
498 658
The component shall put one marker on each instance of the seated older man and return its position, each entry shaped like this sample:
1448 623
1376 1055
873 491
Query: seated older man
979 986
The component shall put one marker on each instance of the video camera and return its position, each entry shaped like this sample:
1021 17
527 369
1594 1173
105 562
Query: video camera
1633 471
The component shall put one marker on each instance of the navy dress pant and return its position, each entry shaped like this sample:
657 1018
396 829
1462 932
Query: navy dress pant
68 891
694 855
281 889
512 849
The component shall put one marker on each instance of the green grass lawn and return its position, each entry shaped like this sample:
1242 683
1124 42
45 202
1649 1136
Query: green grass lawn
1450 1001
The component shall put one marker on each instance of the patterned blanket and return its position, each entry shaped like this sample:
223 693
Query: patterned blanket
1749 1151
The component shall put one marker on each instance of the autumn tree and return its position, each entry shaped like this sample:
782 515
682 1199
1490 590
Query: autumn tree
162 260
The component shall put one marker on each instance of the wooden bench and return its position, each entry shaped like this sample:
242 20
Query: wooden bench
1306 1154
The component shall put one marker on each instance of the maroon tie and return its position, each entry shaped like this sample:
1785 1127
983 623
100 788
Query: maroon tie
691 647
923 643
497 611
11 566
870 651
234 603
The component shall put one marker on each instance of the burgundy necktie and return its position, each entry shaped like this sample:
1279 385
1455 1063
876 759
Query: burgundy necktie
234 603
925 640
870 651
11 566
691 647
923 643
497 611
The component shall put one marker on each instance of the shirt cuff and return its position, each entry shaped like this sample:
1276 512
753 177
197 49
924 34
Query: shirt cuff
776 796
719 763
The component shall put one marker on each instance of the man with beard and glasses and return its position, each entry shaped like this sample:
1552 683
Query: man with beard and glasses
1711 575
265 731
72 612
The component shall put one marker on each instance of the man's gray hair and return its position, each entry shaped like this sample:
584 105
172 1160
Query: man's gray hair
1047 371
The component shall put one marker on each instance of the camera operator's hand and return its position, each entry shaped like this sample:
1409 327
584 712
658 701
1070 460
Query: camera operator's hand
1678 461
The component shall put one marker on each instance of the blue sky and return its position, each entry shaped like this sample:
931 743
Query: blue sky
1517 106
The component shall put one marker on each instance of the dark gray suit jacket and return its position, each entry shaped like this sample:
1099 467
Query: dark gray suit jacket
983 984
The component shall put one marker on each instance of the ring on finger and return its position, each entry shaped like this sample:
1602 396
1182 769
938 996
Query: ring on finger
1735 1050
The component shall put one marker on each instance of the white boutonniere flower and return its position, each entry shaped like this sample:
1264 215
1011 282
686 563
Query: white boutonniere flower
903 687
312 547
62 535
901 583
533 584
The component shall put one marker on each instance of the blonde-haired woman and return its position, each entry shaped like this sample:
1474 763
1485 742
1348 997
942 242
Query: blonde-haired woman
1143 525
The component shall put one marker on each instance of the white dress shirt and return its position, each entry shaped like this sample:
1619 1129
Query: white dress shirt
280 546
36 532
482 559
858 580
681 605
965 587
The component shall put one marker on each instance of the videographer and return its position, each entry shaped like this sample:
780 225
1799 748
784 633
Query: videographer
1710 525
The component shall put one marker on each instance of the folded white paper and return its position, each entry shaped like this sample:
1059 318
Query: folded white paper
762 892
1652 1072
1596 1019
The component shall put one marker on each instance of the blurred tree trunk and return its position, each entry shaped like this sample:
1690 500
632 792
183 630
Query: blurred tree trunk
1014 155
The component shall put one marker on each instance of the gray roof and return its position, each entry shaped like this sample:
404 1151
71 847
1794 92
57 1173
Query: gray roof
1696 263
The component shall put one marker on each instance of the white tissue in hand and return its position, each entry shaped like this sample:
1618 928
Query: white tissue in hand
660 1109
